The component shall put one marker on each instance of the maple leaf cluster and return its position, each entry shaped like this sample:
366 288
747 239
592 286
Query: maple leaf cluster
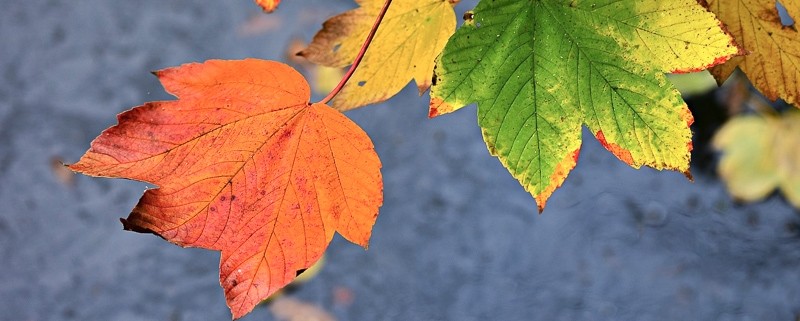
245 164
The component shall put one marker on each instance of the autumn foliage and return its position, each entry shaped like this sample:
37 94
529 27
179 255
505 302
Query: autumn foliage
245 164
773 59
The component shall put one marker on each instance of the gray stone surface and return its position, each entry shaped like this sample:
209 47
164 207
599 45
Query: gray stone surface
457 238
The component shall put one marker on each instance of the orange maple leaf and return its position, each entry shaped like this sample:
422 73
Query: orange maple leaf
244 164
268 5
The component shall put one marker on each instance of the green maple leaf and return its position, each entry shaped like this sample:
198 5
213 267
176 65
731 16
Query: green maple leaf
539 70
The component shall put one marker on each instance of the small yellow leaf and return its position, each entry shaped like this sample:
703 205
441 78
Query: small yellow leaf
773 64
760 154
412 34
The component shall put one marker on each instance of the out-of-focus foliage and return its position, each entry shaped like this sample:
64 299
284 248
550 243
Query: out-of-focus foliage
760 154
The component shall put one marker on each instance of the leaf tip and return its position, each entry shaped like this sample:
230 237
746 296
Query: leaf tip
540 204
557 178
73 167
438 107
422 88
235 315
688 175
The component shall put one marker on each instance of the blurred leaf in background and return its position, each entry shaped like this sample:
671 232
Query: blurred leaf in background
760 154
291 309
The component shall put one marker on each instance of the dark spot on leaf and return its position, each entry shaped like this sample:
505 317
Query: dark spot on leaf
233 197
362 83
286 134
213 209
468 16
222 198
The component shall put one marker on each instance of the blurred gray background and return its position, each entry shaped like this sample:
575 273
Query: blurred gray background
457 238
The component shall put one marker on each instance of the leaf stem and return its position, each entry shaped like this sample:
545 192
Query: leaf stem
360 55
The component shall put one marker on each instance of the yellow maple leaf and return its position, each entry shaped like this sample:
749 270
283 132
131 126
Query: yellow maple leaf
412 34
760 154
773 64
